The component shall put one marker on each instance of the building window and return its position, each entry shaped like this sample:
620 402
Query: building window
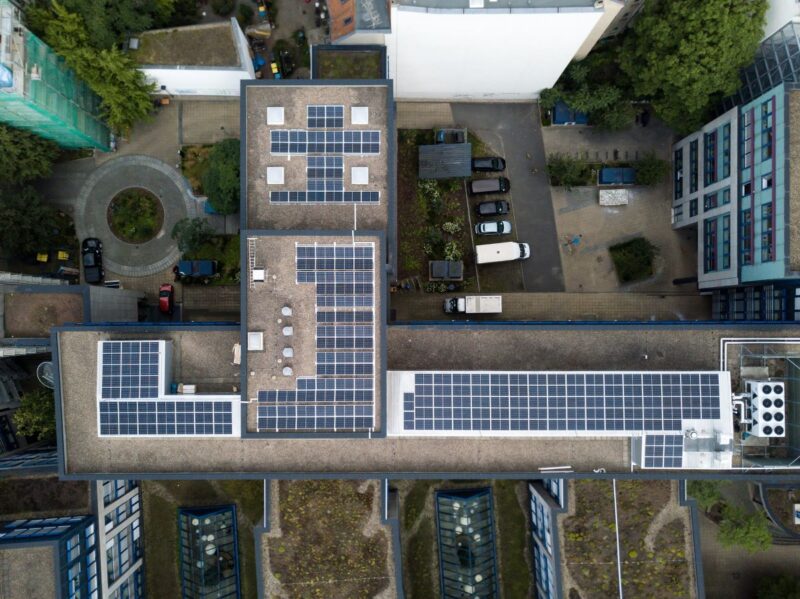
767 237
747 189
693 166
746 237
677 214
726 196
710 201
726 150
726 241
693 207
766 182
766 130
746 137
348 20
710 162
710 244
677 172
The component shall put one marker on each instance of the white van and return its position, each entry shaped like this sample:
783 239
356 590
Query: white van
502 252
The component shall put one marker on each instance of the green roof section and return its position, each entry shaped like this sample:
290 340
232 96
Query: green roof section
209 553
467 552
41 94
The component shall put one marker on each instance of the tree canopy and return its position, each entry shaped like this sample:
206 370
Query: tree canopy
705 492
682 55
36 415
191 233
25 221
24 156
782 587
221 178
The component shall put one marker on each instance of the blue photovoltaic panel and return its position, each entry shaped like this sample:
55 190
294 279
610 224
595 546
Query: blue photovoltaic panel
129 370
543 401
325 116
165 418
317 197
663 451
341 395
349 143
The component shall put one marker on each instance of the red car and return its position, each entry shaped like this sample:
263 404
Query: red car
166 298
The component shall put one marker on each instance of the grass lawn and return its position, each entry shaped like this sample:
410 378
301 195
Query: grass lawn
633 260
419 562
513 537
323 551
43 495
193 165
161 500
225 250
135 215
339 64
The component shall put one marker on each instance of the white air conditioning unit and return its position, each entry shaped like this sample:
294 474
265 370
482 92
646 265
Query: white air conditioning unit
767 408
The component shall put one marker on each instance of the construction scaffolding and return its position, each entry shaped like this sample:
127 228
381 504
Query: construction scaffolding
38 92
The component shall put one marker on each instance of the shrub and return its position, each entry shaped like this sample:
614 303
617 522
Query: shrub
749 531
223 7
36 415
705 492
452 227
245 15
566 171
651 170
452 251
633 260
191 234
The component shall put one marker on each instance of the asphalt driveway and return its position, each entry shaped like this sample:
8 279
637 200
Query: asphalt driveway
514 131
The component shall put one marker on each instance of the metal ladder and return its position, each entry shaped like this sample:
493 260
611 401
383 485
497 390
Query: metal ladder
251 259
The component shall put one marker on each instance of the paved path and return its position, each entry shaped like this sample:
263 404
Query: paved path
103 184
563 307
513 130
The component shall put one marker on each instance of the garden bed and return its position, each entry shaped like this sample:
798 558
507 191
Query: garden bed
432 222
43 497
225 250
323 550
135 215
782 503
343 64
194 160
160 503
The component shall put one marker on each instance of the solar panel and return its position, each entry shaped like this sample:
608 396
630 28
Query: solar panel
345 197
663 451
548 401
300 141
341 396
325 116
129 369
165 418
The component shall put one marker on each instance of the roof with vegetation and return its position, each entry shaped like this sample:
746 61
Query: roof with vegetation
198 45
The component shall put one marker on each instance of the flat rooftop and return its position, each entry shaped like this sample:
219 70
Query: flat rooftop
209 45
342 323
317 155
23 569
206 355
34 314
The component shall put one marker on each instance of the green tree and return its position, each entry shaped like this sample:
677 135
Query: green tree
683 55
223 7
25 221
749 531
614 118
566 171
245 15
36 415
221 178
114 76
651 170
705 492
782 587
24 156
191 234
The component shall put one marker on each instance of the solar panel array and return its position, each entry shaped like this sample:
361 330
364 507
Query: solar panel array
549 401
325 116
132 403
300 141
316 197
663 451
341 396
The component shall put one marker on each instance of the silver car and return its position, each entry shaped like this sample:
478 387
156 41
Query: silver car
500 227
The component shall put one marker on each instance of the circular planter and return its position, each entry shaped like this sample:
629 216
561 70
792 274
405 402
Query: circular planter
135 215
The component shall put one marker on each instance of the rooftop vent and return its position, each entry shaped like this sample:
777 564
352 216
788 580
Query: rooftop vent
359 115
275 115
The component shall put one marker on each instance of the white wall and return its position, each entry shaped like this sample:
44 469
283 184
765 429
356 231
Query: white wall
779 13
482 54
197 81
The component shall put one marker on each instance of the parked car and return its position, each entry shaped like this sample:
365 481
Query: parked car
189 271
488 164
92 260
495 208
166 298
494 185
499 227
451 136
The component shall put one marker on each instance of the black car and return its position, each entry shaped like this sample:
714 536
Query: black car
493 208
92 260
488 164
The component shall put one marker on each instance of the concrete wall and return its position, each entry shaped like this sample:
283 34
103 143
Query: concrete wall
483 54
779 13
